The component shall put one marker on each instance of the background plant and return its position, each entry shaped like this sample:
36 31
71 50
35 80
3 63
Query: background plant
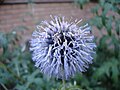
17 71
105 72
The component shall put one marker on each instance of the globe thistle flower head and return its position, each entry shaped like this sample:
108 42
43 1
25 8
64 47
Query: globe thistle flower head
61 48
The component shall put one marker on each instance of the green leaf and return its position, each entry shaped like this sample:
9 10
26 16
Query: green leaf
97 21
107 7
117 27
3 42
103 40
114 69
108 67
108 25
81 2
101 3
95 9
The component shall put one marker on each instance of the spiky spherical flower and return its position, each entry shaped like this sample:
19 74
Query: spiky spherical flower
62 49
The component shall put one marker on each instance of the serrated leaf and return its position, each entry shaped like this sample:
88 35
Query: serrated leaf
102 41
3 41
101 3
117 27
95 9
107 7
108 26
107 68
97 21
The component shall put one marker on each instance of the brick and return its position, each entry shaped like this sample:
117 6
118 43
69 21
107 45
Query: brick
12 15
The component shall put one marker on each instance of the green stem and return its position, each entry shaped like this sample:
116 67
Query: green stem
64 87
4 86
10 71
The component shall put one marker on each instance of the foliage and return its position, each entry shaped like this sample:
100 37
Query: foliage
17 71
105 72
81 2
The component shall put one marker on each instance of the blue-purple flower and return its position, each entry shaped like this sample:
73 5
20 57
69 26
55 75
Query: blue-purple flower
61 48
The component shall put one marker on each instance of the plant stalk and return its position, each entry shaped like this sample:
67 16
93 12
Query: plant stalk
64 86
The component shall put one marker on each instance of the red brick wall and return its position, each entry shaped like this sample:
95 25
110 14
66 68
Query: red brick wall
36 1
28 15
